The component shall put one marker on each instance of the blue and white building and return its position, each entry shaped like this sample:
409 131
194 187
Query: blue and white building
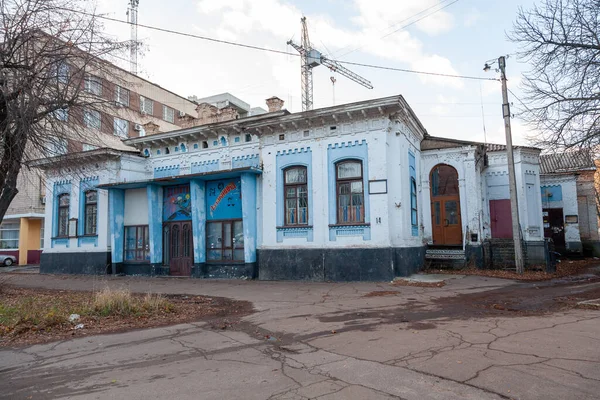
352 192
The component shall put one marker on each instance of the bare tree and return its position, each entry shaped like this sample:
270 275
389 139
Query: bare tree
48 49
560 39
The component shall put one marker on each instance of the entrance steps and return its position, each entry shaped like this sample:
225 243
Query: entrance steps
445 257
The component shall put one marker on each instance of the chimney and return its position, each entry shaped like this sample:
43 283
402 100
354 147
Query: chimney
274 103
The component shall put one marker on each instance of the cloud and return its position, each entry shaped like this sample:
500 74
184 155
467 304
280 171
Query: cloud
471 17
395 14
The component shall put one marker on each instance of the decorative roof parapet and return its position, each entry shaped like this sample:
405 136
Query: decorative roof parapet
244 157
208 162
346 144
293 151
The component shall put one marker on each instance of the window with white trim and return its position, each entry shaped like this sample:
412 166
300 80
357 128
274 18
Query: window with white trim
146 105
168 114
121 128
91 119
93 85
122 96
9 235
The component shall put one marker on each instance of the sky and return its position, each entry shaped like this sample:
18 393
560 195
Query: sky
457 39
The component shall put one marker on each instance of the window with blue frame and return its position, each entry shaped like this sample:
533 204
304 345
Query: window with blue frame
63 215
350 192
414 221
90 213
296 196
414 212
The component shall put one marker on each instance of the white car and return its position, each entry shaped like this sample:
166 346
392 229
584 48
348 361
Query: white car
7 260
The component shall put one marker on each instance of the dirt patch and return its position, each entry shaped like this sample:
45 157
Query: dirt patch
382 293
421 326
50 321
563 269
404 282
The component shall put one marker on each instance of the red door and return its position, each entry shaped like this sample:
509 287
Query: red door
501 218
177 247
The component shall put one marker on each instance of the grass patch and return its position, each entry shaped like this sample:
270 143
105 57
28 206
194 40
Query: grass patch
43 312
121 302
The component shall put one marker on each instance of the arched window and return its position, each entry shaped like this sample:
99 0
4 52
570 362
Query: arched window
444 181
63 215
350 192
90 212
295 196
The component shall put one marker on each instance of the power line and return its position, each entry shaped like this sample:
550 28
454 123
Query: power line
411 71
407 25
248 46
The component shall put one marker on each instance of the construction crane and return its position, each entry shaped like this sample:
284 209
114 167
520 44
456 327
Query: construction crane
132 12
312 58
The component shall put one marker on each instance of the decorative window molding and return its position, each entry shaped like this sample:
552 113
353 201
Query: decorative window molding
286 159
88 207
336 153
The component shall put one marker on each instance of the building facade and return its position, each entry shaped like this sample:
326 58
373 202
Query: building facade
570 202
352 192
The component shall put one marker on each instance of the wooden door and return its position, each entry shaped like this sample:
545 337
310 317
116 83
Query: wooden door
445 206
177 247
501 219
554 227
446 221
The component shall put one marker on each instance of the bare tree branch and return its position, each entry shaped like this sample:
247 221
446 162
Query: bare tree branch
47 50
560 39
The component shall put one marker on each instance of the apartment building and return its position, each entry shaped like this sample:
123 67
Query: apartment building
140 108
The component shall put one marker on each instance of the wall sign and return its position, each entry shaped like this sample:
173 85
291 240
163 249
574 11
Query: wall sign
224 199
177 204
72 227
571 219
378 186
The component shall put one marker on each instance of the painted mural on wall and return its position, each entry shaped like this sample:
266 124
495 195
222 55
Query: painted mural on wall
224 199
177 203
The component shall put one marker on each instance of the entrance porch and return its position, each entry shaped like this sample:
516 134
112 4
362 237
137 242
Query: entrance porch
201 225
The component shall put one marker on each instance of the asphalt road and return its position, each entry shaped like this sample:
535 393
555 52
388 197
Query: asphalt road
476 338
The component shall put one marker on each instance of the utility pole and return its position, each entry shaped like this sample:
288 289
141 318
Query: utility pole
512 183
